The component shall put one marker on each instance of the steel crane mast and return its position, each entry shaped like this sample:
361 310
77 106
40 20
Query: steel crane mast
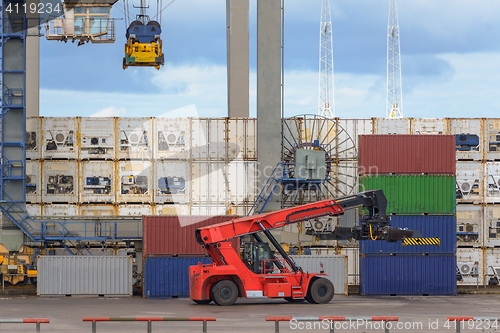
394 108
326 101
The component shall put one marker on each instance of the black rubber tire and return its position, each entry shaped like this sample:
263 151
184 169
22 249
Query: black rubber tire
202 301
294 300
224 293
320 291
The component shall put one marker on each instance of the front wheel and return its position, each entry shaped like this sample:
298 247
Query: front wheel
320 291
225 293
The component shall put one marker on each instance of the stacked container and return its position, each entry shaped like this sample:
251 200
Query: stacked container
417 175
169 248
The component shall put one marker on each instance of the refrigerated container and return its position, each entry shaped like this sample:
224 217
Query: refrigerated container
59 138
470 266
391 126
172 181
171 138
33 181
491 182
470 187
134 182
135 139
97 138
470 225
208 139
33 138
469 137
491 139
98 181
429 126
242 138
60 181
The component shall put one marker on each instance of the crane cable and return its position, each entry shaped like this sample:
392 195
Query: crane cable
371 232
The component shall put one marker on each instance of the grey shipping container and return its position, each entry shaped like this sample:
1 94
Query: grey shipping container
84 275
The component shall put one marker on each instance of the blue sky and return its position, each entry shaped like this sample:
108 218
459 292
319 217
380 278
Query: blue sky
450 62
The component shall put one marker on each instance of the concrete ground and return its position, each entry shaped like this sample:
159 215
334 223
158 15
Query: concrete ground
416 314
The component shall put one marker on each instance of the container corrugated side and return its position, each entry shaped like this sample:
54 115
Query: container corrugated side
333 265
168 235
168 276
441 226
84 275
415 194
408 274
406 154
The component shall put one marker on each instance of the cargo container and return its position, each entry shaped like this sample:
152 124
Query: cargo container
172 209
491 139
470 225
470 187
33 138
97 182
242 138
414 195
172 181
343 179
171 139
333 265
470 267
166 277
429 126
352 254
391 126
98 210
209 182
469 137
60 210
208 139
59 138
406 154
408 274
135 140
134 182
242 181
491 226
210 209
60 181
34 210
492 265
134 209
97 138
354 127
492 182
442 227
84 275
33 181
169 235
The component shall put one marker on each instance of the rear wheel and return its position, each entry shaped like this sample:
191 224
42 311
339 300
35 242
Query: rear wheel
320 291
225 293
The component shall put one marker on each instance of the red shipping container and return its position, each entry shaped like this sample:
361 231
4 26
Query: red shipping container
406 154
174 235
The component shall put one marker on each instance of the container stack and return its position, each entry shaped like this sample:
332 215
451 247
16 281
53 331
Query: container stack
417 175
169 248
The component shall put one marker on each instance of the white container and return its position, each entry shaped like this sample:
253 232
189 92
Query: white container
60 210
491 139
171 138
242 138
34 210
97 183
470 268
354 127
134 210
491 225
171 181
134 182
172 210
209 210
98 210
208 139
60 181
135 139
469 131
209 182
470 229
97 138
429 126
242 182
33 138
352 254
469 182
84 275
33 181
492 182
492 264
59 138
239 210
343 179
392 126
334 265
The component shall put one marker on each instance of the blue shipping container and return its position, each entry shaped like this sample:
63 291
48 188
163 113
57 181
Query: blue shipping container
442 227
408 274
164 277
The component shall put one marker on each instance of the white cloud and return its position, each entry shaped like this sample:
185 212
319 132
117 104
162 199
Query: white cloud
110 111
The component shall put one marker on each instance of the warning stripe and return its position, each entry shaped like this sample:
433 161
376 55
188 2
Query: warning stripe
421 241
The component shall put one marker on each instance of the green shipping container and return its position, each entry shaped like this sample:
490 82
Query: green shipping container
415 194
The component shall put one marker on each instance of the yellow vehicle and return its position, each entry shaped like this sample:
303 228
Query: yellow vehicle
17 268
144 46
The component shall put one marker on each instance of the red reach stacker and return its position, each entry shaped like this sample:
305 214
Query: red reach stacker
258 272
